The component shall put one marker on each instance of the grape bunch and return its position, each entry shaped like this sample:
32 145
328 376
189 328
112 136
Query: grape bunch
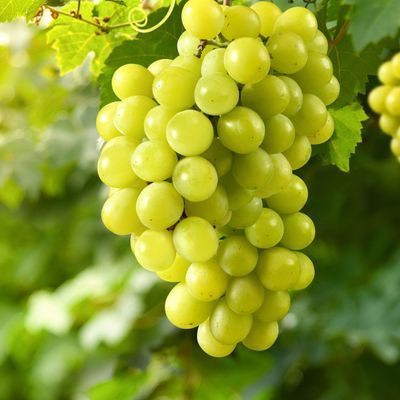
200 156
385 100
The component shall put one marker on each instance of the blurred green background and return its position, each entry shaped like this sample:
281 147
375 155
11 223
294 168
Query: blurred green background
80 320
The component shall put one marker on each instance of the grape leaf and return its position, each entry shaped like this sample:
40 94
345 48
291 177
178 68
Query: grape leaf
372 21
11 9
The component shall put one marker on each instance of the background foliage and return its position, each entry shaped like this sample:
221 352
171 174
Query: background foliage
80 320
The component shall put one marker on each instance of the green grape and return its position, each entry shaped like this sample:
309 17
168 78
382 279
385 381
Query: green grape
253 170
241 130
325 133
240 21
206 281
216 94
298 20
319 44
295 94
385 74
288 52
377 98
299 231
190 63
299 152
262 335
105 121
119 215
236 256
190 133
132 242
329 92
213 63
245 294
155 250
307 272
195 178
268 97
275 306
183 310
267 231
153 161
247 214
278 268
237 195
279 134
187 44
159 65
393 102
219 156
281 178
389 124
132 80
209 344
159 206
174 87
247 60
268 14
214 209
203 18
290 200
227 326
176 272
395 146
155 123
396 65
114 166
224 221
130 116
195 239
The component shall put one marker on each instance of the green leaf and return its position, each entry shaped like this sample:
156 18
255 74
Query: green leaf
146 49
373 20
11 9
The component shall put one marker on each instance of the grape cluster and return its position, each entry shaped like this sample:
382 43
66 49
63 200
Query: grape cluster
199 155
385 100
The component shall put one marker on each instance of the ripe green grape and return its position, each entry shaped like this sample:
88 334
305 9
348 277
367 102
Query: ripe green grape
377 98
238 196
114 166
190 133
247 60
299 152
298 20
187 44
183 310
319 44
295 94
241 130
307 272
396 65
216 94
299 231
174 87
155 123
155 250
267 231
389 124
153 161
227 326
105 121
214 209
329 92
132 80
157 66
385 74
290 200
245 294
268 97
204 19
278 268
159 206
268 14
236 256
262 335
176 272
275 306
393 102
395 146
288 52
253 170
189 63
195 178
279 134
240 21
247 214
219 156
119 215
213 63
325 133
206 281
130 116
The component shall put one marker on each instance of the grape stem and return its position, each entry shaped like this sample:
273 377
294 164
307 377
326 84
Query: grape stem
341 34
227 2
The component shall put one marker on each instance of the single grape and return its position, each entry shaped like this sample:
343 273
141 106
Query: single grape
195 239
395 146
159 206
377 98
155 123
183 310
213 63
262 335
295 94
132 80
187 44
275 306
247 214
299 231
307 272
176 272
329 92
268 14
190 63
385 74
240 21
278 268
279 134
325 133
157 66
396 65
319 44
219 156
392 103
105 121
299 152
238 196
389 124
